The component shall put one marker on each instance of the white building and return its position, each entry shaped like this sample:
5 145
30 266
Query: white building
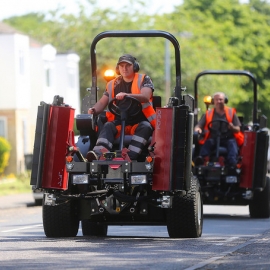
31 72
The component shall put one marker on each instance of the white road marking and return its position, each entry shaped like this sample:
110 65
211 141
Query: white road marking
23 228
227 241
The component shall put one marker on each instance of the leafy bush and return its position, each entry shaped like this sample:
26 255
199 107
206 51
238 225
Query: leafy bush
5 148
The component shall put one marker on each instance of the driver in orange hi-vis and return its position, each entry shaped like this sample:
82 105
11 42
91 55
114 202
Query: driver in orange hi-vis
224 119
129 85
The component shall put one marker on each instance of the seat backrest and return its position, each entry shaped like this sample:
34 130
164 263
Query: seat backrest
156 102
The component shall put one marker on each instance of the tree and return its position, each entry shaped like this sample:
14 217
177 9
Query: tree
213 34
223 36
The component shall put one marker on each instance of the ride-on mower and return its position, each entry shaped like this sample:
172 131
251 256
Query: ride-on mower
247 183
157 189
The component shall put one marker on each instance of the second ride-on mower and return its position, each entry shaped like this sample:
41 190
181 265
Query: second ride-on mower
247 183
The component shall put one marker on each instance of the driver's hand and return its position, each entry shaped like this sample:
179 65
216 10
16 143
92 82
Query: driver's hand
198 129
121 96
92 111
231 126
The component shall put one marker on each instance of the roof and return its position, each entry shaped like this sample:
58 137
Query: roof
7 29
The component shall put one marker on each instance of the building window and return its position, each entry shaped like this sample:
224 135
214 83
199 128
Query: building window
3 127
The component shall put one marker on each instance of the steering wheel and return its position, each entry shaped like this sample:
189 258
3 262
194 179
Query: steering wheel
94 121
125 107
221 132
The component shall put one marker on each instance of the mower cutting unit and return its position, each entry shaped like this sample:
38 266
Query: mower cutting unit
247 183
156 189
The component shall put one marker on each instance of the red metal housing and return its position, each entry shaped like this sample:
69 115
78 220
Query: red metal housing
163 149
60 124
248 163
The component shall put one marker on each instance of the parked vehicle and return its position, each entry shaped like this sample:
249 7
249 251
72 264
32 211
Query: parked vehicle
157 189
247 183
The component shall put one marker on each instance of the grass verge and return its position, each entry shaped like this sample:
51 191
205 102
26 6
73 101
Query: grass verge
15 184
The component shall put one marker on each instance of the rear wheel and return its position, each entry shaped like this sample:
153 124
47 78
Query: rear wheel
259 207
61 220
93 229
185 218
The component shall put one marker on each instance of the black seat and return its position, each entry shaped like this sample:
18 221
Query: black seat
156 102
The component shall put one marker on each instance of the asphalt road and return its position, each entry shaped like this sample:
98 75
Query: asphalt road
230 240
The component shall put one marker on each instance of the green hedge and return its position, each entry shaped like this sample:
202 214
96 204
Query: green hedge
5 148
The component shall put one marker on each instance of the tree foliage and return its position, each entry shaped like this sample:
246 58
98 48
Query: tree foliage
213 34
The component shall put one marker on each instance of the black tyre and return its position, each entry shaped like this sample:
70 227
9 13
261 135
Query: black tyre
259 207
61 220
185 218
93 229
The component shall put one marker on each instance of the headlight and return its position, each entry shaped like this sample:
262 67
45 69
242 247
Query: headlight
231 179
138 179
80 179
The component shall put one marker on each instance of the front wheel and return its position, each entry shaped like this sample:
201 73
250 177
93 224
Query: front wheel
259 207
185 218
60 220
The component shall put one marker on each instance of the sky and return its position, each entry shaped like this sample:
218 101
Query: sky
9 8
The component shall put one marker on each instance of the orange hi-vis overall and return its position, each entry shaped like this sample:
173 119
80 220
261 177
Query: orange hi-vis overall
229 113
147 108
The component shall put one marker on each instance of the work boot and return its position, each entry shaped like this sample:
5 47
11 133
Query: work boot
221 161
91 155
